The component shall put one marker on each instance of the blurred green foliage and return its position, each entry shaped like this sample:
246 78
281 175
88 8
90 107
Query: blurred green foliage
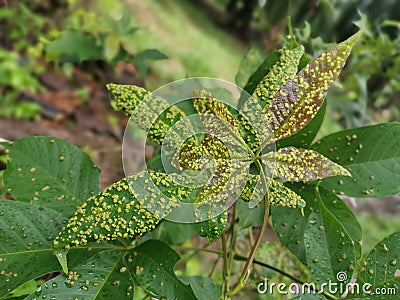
33 32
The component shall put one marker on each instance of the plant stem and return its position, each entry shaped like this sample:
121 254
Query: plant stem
226 269
250 258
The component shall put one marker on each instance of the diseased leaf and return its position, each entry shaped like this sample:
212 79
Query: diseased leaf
144 110
26 232
294 164
205 103
213 228
299 99
111 214
52 172
278 194
372 156
381 270
282 196
305 136
283 70
258 75
101 277
152 264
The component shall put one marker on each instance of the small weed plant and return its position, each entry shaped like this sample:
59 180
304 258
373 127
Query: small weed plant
224 172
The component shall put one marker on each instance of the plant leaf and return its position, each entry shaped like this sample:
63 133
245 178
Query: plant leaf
111 214
205 103
381 269
293 164
249 64
278 193
169 232
299 99
213 228
152 264
290 224
204 288
371 154
26 232
283 70
329 248
305 136
74 46
53 173
144 109
103 276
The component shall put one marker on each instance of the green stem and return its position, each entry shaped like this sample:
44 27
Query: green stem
250 258
226 270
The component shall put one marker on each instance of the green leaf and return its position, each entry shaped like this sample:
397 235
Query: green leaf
329 248
305 136
381 269
249 217
170 232
204 288
290 224
299 99
26 233
102 277
152 264
140 59
74 46
25 289
249 64
53 173
213 228
293 164
372 156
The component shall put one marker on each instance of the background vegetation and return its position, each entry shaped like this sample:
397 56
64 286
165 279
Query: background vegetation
56 56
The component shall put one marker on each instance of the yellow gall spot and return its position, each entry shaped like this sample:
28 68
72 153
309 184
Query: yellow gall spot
61 158
32 170
95 284
122 270
33 179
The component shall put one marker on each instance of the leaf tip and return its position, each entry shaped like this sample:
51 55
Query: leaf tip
61 255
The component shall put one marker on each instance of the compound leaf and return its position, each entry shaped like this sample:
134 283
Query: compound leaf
299 99
152 264
53 173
